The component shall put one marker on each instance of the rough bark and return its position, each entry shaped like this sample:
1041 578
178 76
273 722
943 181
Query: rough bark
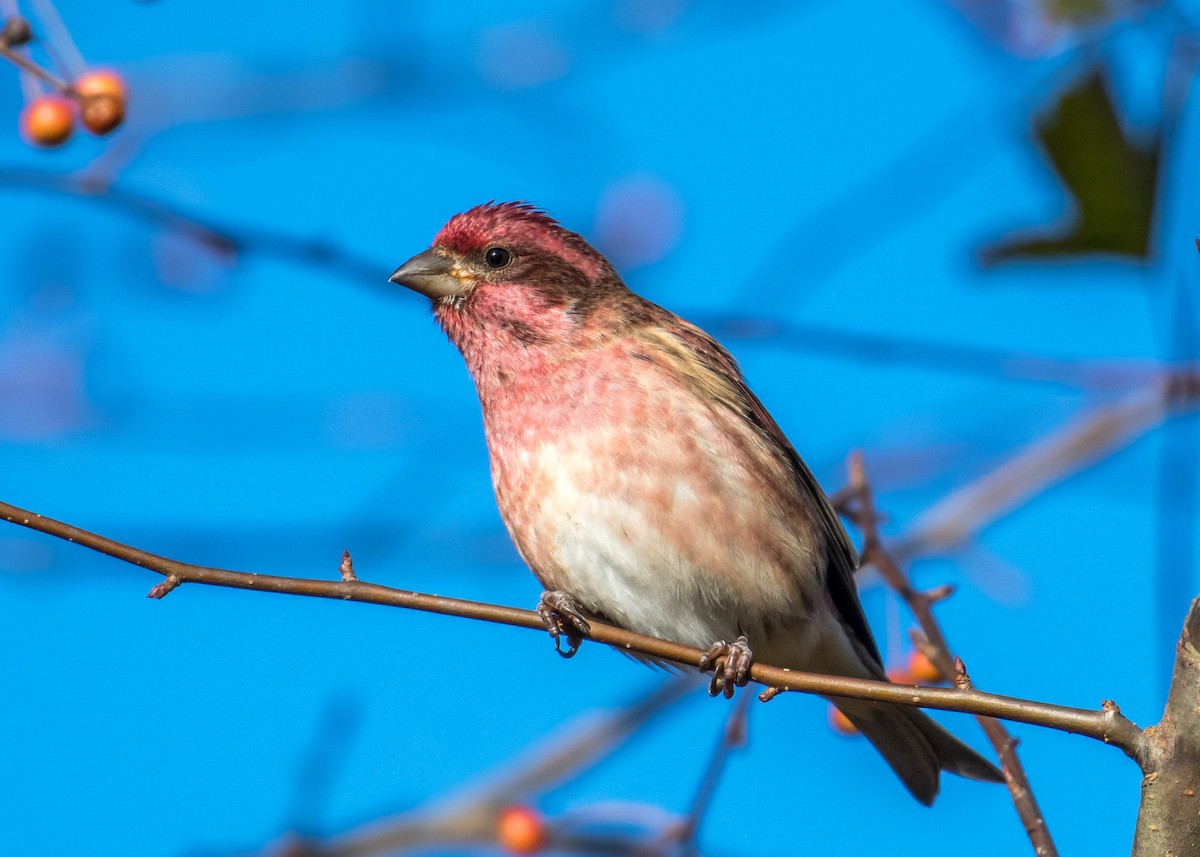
1168 822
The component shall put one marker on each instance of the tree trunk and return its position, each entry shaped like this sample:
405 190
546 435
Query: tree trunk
1168 822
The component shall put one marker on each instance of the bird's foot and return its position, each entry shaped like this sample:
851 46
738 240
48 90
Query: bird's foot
730 663
563 618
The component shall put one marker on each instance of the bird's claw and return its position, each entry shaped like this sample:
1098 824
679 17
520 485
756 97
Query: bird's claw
563 618
730 663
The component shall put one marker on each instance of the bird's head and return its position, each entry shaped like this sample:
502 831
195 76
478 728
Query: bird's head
509 267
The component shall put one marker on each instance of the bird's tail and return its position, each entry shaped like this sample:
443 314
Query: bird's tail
915 746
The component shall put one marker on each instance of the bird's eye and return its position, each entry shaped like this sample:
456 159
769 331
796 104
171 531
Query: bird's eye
497 257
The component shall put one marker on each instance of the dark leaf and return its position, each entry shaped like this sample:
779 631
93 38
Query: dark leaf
1111 178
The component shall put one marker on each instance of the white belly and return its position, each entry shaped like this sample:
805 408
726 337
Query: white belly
644 548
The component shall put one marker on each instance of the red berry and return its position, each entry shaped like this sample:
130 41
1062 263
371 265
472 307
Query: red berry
840 722
521 830
101 113
102 100
47 120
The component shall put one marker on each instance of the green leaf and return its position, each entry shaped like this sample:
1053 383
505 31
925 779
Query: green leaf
1111 178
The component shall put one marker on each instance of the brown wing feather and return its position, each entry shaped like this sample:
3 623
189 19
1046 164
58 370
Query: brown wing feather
719 379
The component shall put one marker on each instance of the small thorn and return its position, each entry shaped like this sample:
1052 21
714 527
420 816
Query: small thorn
961 680
939 593
769 694
347 567
858 471
165 588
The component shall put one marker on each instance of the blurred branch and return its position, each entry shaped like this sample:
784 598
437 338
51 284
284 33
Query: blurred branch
222 239
232 241
470 815
732 737
861 509
940 356
25 64
1105 431
1107 725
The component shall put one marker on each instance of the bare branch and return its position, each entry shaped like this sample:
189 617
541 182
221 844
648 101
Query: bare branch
938 651
1107 726
25 64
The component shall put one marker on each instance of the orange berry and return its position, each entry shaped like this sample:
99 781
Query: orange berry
840 722
47 120
901 676
102 100
521 830
102 81
922 669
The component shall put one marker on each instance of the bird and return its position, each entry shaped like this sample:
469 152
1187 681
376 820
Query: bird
645 485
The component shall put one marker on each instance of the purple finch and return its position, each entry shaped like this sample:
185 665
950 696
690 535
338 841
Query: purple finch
643 482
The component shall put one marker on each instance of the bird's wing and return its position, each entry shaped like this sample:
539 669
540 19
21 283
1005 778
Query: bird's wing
718 378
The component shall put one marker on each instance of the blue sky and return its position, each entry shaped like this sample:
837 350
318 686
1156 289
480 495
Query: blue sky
828 165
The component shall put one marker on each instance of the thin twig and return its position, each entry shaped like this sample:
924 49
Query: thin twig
938 650
1108 726
27 65
733 736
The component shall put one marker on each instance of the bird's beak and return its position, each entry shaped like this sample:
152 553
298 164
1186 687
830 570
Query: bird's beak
431 274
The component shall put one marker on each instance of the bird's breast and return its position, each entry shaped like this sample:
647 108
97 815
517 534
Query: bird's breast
624 488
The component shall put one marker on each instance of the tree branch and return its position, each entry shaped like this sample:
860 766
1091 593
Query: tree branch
937 649
222 239
470 814
1099 434
1107 725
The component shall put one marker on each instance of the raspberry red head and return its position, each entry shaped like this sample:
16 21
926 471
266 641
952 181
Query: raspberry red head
494 222
510 243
